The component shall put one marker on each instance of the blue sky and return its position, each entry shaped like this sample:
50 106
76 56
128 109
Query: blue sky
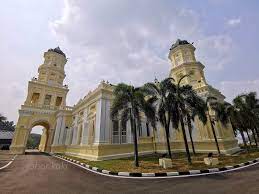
126 40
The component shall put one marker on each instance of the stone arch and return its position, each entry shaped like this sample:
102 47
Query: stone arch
24 126
45 141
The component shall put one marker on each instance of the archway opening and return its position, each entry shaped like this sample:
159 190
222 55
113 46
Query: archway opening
37 140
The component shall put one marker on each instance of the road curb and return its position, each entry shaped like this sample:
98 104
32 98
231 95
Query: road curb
175 174
8 164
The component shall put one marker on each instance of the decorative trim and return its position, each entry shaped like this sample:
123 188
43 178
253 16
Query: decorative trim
160 174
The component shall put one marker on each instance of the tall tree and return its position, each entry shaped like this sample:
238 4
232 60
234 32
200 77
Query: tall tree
198 109
249 107
210 103
240 116
160 94
237 122
127 105
252 104
185 99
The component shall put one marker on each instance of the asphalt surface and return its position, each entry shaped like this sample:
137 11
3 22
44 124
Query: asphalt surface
4 159
45 174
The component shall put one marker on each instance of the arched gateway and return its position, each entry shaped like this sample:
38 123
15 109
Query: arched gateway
45 103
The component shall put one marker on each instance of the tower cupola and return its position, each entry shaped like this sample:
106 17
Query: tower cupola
52 71
181 52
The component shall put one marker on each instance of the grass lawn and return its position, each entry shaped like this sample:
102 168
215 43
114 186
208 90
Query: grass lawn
150 163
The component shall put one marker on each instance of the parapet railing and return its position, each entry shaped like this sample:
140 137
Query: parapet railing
47 107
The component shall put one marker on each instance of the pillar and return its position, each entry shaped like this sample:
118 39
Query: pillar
102 127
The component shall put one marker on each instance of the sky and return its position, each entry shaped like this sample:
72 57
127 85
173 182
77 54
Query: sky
126 41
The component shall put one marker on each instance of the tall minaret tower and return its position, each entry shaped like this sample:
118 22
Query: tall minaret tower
184 62
45 104
48 89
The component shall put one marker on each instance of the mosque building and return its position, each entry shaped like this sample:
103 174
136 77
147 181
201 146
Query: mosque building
86 129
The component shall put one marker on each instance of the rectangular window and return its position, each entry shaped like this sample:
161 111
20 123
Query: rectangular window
115 132
35 98
47 100
58 101
124 135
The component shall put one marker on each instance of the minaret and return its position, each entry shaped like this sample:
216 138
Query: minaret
52 70
48 90
183 60
182 57
45 104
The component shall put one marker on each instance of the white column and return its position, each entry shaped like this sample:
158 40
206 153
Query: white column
57 131
144 127
74 130
79 134
102 123
67 136
85 134
159 127
107 121
62 131
129 135
74 138
70 136
84 140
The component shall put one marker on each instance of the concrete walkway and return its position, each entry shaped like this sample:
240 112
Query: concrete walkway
45 174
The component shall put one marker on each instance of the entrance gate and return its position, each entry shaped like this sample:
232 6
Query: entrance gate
45 99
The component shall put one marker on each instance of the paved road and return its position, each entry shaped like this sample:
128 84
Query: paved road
45 174
5 158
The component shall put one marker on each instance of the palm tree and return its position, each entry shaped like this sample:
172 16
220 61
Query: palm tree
159 94
150 112
199 109
236 120
244 118
210 102
252 104
185 100
127 104
248 106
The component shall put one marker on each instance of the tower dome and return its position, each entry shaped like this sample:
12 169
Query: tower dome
179 42
58 50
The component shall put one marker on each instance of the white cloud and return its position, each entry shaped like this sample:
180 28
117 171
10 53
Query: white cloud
234 22
233 88
215 51
128 41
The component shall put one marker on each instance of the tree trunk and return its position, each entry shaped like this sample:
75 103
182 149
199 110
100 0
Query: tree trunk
135 139
185 140
190 132
243 138
214 134
234 131
154 134
257 133
168 143
254 137
167 140
250 142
